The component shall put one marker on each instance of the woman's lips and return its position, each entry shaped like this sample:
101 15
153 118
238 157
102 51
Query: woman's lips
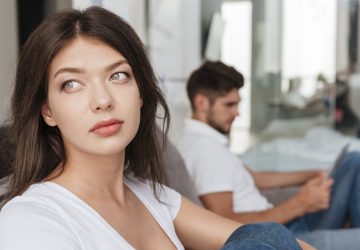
107 128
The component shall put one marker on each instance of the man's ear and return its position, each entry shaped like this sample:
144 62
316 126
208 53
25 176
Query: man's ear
202 103
47 116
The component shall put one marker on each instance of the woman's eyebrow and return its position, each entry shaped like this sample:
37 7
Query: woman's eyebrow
116 64
79 70
68 70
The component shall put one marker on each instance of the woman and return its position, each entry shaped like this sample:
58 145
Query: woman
87 172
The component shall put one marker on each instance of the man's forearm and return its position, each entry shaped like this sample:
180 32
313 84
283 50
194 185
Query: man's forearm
282 213
268 180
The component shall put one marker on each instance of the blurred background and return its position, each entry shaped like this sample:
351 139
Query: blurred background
299 58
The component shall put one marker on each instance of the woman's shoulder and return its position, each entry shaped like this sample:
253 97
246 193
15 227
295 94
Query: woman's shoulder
46 203
35 196
36 203
39 194
29 217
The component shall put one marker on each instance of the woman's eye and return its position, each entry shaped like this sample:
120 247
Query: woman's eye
70 85
118 76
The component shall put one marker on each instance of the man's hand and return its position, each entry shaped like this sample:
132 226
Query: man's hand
314 195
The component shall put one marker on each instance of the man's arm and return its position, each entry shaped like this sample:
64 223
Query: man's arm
312 197
268 180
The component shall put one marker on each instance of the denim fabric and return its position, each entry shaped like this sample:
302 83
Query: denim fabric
261 236
324 229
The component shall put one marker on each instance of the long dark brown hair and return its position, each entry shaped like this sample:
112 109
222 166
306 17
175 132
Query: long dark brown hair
39 147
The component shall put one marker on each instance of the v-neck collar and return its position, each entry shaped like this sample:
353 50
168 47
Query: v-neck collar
135 191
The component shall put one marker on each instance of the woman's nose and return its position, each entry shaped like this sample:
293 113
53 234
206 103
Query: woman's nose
101 98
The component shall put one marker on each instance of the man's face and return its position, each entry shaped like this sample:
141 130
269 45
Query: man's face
223 111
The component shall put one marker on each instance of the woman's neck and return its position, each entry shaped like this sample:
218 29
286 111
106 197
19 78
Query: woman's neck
94 175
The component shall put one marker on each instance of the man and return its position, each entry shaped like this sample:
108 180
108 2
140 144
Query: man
229 188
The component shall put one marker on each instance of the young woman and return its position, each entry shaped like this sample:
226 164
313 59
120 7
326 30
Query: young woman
87 172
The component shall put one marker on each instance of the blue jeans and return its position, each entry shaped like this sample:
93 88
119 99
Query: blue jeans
344 207
261 236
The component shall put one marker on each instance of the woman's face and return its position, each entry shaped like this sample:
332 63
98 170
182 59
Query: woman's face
93 98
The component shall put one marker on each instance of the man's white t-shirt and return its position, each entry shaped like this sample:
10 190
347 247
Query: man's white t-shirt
214 168
49 217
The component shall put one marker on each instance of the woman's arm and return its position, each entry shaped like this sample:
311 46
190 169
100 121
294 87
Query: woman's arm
199 228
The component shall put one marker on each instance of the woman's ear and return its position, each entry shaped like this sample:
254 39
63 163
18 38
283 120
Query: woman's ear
47 116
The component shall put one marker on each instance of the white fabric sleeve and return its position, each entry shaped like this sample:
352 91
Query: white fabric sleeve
213 170
29 225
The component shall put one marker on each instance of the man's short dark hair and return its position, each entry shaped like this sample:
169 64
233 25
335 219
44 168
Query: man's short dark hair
213 79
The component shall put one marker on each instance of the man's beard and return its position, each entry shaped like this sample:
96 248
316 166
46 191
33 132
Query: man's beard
212 123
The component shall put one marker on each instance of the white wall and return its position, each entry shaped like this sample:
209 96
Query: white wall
133 11
8 53
309 42
174 37
175 50
236 51
342 42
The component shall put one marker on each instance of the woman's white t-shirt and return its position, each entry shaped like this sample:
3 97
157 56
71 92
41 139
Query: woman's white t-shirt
49 217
